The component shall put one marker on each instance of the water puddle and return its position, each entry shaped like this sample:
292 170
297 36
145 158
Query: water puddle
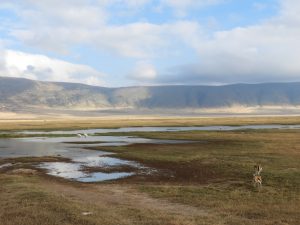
6 165
78 168
164 129
83 163
74 171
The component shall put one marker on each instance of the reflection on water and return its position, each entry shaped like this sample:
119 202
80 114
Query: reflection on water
67 146
81 158
36 147
65 170
74 171
102 140
5 165
104 161
166 129
104 176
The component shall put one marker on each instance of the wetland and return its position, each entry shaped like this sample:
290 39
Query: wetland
151 175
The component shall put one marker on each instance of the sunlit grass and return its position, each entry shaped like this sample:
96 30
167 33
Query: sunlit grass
212 175
226 188
110 122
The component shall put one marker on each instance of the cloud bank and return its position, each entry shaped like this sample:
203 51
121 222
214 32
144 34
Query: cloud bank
265 52
262 52
40 67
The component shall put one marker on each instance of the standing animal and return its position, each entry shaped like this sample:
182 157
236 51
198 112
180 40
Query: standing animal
79 135
257 179
257 169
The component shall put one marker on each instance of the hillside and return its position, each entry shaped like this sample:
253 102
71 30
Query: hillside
18 94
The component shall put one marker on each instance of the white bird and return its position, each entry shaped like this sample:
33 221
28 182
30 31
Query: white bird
79 135
85 135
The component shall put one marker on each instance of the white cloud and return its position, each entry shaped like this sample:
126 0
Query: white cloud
40 67
134 3
290 12
268 51
139 40
75 22
48 27
265 52
55 25
144 71
182 6
2 58
73 13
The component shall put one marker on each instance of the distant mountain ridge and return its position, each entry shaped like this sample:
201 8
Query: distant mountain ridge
19 93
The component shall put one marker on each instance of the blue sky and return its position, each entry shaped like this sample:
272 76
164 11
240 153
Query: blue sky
150 42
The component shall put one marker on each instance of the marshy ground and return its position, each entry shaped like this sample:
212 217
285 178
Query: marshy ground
204 182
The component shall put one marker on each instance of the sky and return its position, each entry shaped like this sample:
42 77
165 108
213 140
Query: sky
117 43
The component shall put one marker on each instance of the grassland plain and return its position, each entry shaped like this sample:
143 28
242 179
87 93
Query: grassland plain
204 182
66 123
215 173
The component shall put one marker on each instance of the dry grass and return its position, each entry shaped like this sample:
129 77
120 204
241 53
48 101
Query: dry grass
33 200
210 182
114 122
216 173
